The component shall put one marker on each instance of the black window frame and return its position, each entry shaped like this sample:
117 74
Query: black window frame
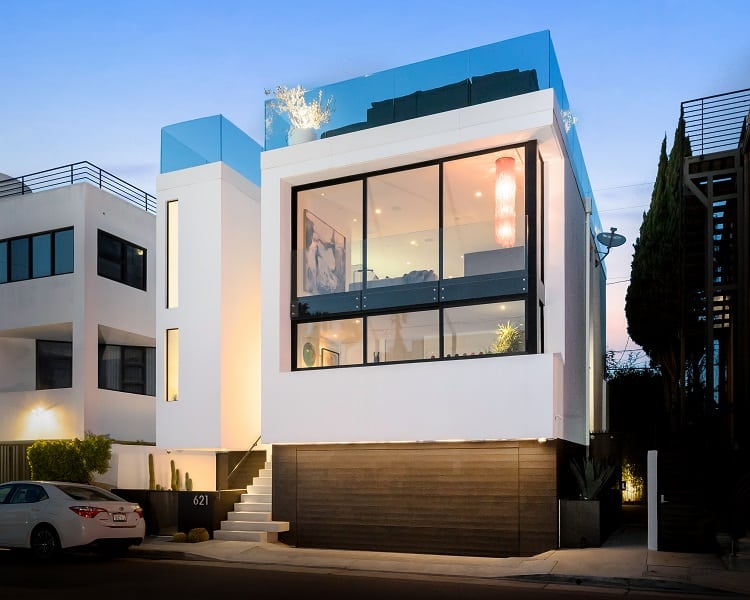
124 381
47 365
8 250
441 294
119 260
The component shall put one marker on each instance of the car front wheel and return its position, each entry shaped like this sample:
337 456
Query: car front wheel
44 543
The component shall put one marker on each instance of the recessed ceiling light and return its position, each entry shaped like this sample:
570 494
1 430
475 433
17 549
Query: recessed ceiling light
378 211
413 242
477 194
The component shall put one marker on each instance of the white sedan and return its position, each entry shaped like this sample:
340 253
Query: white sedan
48 516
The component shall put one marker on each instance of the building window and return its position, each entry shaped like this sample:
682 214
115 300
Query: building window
54 365
172 253
127 369
173 359
478 329
429 261
36 255
121 261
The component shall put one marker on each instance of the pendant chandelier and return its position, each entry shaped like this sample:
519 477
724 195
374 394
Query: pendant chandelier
505 201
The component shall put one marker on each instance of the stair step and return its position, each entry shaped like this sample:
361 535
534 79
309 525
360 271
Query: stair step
255 491
263 480
252 506
246 536
255 526
253 497
249 516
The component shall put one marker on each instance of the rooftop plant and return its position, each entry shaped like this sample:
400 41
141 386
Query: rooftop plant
302 114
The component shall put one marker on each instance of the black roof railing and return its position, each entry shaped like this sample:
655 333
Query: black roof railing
716 123
79 172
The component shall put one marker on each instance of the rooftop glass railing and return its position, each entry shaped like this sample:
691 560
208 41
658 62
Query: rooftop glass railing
509 68
207 140
81 172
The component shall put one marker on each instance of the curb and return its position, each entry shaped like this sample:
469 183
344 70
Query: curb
628 583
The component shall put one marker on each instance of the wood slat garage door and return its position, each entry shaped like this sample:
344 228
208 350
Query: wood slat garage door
493 499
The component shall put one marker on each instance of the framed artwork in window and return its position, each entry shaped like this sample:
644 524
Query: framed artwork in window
324 256
329 358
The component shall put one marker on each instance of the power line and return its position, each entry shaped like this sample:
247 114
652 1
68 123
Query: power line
627 185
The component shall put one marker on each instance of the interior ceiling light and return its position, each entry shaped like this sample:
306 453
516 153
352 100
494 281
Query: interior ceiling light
505 201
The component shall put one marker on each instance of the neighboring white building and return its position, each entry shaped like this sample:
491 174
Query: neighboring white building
77 276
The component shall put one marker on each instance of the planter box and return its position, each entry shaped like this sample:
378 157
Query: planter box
167 512
588 523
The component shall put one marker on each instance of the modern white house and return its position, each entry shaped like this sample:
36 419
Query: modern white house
77 279
406 309
432 348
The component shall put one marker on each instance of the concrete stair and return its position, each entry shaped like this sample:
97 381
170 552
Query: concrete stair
250 521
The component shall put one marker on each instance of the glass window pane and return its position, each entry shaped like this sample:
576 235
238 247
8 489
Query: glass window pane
402 227
135 267
496 328
110 367
329 343
109 256
329 239
484 221
54 365
172 255
3 262
41 255
173 359
63 251
19 259
403 336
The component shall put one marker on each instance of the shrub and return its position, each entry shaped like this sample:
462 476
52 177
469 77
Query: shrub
179 537
198 534
70 460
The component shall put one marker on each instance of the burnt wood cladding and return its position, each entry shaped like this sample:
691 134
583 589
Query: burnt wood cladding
469 498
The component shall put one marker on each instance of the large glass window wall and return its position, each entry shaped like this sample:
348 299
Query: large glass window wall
424 262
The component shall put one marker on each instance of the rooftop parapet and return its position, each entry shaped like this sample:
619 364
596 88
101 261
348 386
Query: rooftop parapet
207 140
80 172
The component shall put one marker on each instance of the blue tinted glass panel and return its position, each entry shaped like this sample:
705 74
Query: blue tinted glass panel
41 255
3 262
64 251
19 259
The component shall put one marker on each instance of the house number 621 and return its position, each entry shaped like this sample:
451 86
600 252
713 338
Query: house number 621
200 500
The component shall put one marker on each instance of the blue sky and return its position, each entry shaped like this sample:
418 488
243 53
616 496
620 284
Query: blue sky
96 81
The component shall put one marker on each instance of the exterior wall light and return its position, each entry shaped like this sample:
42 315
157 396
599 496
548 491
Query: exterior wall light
505 201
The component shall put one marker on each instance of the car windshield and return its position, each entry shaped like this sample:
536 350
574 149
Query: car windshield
79 492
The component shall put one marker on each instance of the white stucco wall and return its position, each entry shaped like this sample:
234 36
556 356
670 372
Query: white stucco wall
71 307
489 398
218 315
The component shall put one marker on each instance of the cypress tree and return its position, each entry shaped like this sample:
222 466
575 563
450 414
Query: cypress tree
653 299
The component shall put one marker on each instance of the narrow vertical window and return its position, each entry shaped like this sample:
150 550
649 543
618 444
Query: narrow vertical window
173 357
64 251
41 253
172 255
19 259
3 262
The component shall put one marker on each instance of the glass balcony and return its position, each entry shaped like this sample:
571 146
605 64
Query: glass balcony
508 68
207 140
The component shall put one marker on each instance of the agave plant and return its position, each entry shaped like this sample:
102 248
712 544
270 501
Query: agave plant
508 338
592 477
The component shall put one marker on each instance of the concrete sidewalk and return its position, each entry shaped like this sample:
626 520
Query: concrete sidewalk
623 562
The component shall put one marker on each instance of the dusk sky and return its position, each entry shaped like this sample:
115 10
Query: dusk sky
92 80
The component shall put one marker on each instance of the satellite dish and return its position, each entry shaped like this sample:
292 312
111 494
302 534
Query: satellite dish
609 239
